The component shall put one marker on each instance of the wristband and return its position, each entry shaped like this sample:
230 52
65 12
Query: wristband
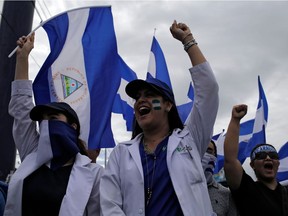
189 44
190 34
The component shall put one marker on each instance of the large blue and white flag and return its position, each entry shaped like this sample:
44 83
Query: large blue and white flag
123 104
157 68
246 131
261 119
252 132
82 70
184 109
282 175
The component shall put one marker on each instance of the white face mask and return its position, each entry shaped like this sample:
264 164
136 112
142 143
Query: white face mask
208 164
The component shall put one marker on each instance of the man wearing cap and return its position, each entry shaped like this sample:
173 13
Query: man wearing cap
264 197
159 172
55 177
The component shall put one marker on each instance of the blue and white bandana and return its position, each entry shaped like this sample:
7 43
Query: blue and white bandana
262 148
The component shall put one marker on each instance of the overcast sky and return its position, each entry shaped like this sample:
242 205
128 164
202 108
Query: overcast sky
241 40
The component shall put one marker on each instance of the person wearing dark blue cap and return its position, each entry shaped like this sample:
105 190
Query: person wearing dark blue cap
265 196
56 176
159 171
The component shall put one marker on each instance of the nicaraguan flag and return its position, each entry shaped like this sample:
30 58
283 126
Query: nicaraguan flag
157 66
82 70
184 109
261 119
123 104
219 141
282 175
252 132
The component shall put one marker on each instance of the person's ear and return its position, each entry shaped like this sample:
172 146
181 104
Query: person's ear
169 107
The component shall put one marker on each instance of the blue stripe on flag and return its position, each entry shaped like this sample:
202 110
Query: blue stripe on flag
157 64
261 119
122 103
282 174
184 110
191 92
157 68
56 29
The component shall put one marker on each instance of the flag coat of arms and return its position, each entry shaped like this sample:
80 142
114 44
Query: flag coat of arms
82 70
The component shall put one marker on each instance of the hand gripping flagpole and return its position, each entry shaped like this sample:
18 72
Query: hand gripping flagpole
12 53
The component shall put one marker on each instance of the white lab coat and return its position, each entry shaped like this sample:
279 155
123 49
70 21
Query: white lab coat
82 194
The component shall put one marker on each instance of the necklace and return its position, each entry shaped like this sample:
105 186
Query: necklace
149 186
147 149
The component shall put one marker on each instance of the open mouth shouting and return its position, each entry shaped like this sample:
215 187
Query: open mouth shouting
144 110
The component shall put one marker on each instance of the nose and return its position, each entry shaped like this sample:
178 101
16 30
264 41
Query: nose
141 98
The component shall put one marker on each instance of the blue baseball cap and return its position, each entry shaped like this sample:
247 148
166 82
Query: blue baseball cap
133 87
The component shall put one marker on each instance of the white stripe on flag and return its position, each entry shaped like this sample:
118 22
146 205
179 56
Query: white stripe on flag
283 165
152 64
259 119
75 69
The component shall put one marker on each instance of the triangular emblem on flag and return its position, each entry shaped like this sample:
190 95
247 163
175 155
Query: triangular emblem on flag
70 85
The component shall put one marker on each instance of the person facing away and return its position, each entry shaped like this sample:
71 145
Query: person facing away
265 196
55 177
220 196
159 172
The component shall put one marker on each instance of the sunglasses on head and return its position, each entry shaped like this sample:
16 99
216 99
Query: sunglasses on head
263 155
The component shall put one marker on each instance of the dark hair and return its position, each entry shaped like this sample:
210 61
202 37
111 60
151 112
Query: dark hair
71 120
215 148
80 143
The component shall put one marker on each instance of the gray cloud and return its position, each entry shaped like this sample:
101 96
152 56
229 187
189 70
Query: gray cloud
240 39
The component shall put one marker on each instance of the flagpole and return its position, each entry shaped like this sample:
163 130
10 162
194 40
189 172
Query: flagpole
42 23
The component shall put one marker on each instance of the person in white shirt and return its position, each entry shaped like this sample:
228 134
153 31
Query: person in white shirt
159 171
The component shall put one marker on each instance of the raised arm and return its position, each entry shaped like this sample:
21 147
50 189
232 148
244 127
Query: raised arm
24 129
202 117
26 44
232 166
181 32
